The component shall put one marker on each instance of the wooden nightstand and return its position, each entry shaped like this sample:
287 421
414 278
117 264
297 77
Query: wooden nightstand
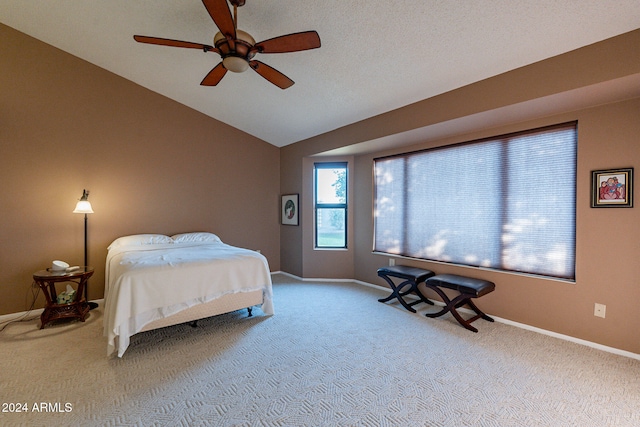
78 308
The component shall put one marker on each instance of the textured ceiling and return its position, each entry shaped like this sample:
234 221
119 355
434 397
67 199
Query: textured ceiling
376 55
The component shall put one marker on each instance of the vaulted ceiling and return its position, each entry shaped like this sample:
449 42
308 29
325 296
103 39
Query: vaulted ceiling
376 56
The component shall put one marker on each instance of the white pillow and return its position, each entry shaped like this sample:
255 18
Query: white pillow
196 237
140 239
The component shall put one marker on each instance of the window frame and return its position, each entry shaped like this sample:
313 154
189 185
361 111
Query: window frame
320 206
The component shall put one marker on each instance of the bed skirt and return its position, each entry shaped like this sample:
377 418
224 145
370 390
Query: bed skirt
225 304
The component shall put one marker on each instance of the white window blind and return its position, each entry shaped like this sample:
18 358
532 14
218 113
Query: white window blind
506 203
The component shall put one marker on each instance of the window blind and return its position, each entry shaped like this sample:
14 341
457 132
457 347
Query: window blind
506 203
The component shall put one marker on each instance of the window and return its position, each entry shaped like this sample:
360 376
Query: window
330 180
506 203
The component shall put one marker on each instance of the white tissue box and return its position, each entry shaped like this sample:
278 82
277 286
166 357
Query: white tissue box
67 296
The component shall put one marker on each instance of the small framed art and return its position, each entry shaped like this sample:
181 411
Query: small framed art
612 188
289 210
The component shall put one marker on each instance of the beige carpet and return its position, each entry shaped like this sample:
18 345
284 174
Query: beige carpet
330 356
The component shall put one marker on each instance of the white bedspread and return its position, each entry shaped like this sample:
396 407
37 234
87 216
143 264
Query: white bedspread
150 282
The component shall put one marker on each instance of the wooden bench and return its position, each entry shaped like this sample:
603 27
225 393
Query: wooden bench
468 288
410 278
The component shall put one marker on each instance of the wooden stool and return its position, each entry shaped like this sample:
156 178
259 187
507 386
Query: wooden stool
468 288
411 277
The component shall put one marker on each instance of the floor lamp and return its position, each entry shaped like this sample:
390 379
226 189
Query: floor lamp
84 207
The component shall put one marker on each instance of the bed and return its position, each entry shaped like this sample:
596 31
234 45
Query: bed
153 281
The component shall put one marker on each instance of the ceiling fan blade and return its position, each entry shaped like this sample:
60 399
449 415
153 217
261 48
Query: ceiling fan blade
290 43
174 43
271 74
221 15
214 76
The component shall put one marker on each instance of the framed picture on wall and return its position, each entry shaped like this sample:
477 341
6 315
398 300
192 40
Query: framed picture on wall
289 210
612 188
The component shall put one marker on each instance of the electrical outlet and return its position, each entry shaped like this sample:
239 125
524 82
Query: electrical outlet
392 261
600 310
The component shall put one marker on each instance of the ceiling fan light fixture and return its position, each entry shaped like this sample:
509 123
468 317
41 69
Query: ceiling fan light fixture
235 56
235 64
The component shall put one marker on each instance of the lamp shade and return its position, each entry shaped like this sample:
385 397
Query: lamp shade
83 207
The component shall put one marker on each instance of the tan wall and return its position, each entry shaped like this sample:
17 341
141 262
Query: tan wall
152 166
291 253
608 137
322 262
607 240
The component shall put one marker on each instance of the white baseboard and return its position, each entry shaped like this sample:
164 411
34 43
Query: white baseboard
314 279
7 318
16 316
597 346
497 319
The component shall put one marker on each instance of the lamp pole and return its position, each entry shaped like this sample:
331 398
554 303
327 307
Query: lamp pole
84 206
86 261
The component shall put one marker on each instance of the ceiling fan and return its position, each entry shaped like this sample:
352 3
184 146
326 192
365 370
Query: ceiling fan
237 48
